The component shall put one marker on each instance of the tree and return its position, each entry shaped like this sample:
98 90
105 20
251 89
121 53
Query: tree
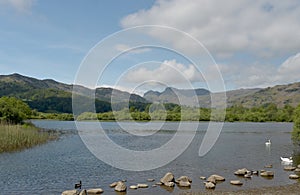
296 119
13 110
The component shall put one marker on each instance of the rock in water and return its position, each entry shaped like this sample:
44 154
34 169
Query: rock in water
142 185
297 170
69 192
236 182
241 171
112 185
95 191
184 184
293 176
133 187
150 180
83 192
169 184
218 177
289 168
267 174
120 187
169 177
211 179
183 178
210 185
268 166
202 177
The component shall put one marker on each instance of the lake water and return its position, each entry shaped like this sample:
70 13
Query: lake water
56 166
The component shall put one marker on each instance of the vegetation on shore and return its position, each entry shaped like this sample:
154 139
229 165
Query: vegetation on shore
16 137
264 113
14 133
296 129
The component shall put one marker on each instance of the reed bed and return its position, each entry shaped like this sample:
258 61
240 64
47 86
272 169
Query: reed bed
17 137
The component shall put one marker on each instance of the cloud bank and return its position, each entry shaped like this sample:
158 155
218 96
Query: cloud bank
263 27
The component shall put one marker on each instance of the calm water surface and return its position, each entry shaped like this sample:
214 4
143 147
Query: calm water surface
54 167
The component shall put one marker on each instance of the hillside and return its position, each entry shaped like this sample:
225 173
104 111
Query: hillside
51 96
281 95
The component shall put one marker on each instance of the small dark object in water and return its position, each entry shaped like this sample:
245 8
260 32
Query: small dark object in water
78 185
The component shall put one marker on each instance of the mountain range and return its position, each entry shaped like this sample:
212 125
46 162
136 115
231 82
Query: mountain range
51 96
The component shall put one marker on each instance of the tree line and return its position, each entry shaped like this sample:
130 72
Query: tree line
13 110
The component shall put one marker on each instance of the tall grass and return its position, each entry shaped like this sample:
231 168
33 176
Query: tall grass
17 137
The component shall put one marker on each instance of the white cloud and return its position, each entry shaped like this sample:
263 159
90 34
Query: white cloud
263 27
169 73
262 75
127 48
22 6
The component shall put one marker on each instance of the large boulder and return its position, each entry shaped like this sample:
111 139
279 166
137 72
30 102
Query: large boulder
169 177
69 192
95 191
241 171
267 174
209 185
120 187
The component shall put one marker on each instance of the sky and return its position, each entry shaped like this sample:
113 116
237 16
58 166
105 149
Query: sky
190 44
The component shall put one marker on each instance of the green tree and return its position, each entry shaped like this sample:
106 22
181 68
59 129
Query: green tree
296 129
13 110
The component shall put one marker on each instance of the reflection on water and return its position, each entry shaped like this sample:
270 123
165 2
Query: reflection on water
56 166
268 149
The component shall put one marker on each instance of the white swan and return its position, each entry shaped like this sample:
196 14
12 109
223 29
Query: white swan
287 160
268 142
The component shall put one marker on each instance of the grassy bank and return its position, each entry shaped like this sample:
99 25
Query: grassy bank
17 137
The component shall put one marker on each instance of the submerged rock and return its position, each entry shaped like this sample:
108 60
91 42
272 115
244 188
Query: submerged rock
267 174
202 177
268 166
142 185
150 180
236 182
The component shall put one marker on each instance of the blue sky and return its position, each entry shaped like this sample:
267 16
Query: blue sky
254 43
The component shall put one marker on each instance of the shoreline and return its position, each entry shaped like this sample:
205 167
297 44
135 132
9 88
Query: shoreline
277 190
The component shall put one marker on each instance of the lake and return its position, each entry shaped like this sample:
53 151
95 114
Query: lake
56 166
